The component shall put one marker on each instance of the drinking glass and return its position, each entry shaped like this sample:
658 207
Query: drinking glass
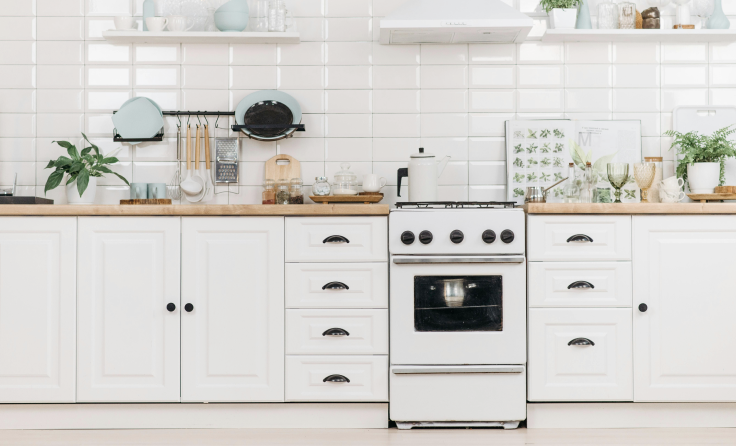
644 176
627 15
618 176
607 15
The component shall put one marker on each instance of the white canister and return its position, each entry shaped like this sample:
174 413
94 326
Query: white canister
653 196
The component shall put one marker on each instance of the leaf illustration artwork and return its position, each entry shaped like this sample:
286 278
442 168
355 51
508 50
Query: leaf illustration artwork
532 148
532 134
558 147
580 158
532 162
518 162
531 177
558 192
557 161
518 192
558 176
558 133
518 177
545 148
546 162
545 133
545 177
518 148
630 193
519 134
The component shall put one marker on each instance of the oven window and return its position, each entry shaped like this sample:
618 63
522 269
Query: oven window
458 303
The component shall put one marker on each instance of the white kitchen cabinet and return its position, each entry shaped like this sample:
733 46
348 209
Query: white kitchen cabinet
578 237
336 239
336 332
233 338
128 340
37 309
685 274
337 378
579 284
337 285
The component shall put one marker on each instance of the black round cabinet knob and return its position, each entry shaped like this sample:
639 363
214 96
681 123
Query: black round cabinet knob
188 308
507 236
425 237
643 308
171 307
407 237
489 236
457 236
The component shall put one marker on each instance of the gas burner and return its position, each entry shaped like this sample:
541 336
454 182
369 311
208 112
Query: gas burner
456 205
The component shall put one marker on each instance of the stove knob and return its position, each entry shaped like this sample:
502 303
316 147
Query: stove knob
407 237
507 236
457 236
489 236
425 237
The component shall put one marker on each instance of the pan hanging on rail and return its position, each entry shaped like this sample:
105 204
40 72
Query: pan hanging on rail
268 115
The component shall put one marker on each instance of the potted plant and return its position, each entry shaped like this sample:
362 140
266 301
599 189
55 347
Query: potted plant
82 169
702 158
562 13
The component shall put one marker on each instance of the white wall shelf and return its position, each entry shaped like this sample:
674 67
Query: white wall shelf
640 35
198 37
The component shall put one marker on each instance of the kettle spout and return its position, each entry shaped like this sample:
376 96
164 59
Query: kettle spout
441 165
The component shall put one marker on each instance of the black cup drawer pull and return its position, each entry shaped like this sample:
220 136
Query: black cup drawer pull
580 238
335 286
336 379
336 239
335 332
580 284
581 341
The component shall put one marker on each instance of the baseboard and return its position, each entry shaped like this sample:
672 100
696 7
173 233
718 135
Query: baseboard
195 416
630 415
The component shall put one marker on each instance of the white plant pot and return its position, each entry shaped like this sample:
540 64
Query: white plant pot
703 177
72 194
563 18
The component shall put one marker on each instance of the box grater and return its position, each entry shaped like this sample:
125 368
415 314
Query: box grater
226 161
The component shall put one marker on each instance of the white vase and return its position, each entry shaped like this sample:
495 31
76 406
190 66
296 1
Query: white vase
563 18
703 177
72 194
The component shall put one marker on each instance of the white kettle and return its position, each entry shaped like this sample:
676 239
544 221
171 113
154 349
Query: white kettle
423 172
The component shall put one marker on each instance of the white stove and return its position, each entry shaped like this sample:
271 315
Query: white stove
458 314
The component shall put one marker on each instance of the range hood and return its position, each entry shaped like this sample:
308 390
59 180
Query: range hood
455 21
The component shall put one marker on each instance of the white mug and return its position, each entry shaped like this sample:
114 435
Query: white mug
178 23
671 195
124 23
156 24
373 183
671 182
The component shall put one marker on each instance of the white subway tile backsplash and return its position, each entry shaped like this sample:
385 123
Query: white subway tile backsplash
636 76
19 53
394 149
487 193
722 76
353 8
205 77
18 76
349 126
636 52
348 77
348 53
722 52
60 28
686 76
166 99
396 126
487 172
59 8
672 98
109 7
59 125
94 26
396 77
203 54
636 100
157 54
348 149
311 101
316 126
253 54
105 100
18 125
443 101
13 8
684 53
489 124
348 30
253 78
299 78
383 8
303 149
500 76
722 96
540 100
444 54
492 54
113 76
162 76
396 101
105 53
588 76
308 8
395 54
444 76
60 101
540 76
204 99
455 174
589 100
348 101
651 124
588 53
444 125
454 147
492 100
17 149
306 53
26 172
17 101
18 28
487 149
311 29
540 53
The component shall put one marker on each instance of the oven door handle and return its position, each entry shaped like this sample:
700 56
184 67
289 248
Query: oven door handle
419 370
458 259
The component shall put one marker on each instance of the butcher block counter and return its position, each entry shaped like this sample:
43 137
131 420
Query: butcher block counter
631 208
199 210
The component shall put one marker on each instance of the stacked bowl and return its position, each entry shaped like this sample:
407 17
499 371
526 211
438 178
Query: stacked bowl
232 16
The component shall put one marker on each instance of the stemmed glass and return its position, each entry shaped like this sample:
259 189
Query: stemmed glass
618 176
644 176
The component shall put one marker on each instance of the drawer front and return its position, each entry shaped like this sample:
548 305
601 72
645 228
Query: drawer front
337 285
580 284
580 354
306 375
336 332
336 239
579 237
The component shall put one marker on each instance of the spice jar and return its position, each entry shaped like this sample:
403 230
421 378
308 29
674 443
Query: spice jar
321 187
296 194
346 182
282 192
269 192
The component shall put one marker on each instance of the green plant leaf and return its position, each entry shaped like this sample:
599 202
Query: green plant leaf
53 181
86 150
111 160
104 169
51 164
577 154
600 167
82 181
96 149
121 177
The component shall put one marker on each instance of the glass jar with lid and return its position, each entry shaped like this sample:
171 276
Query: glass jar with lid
346 181
269 192
296 194
282 192
321 187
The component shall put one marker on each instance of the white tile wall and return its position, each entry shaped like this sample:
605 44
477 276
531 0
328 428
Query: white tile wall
364 103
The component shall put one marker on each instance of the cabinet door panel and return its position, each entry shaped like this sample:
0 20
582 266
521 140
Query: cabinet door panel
37 309
128 340
683 344
233 339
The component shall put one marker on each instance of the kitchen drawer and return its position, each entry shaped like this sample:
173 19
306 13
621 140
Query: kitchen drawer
580 354
337 285
306 378
336 239
330 332
579 237
580 284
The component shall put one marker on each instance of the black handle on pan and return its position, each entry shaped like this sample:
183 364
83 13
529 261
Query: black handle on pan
403 172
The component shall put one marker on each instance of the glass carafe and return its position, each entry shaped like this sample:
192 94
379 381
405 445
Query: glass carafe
277 15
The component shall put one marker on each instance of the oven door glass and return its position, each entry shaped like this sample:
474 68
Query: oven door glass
458 303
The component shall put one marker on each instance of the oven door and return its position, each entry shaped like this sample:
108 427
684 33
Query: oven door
458 310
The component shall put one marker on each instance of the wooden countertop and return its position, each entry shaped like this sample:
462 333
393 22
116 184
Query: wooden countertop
196 210
631 208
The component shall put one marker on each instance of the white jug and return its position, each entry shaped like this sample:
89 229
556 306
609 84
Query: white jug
423 172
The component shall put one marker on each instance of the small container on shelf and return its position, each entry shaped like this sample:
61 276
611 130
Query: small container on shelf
282 192
269 192
627 15
296 191
607 15
321 187
346 181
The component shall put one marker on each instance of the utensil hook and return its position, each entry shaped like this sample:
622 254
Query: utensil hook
179 118
206 122
188 118
200 121
217 120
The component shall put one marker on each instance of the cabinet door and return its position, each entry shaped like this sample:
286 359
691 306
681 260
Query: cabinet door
233 339
128 340
37 309
684 343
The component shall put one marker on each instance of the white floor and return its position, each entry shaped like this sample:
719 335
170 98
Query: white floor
372 437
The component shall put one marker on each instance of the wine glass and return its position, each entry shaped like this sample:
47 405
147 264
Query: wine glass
703 9
618 176
644 176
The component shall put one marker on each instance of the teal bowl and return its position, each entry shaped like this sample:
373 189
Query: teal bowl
234 6
231 21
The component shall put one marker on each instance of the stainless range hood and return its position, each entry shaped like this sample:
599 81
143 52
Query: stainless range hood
455 21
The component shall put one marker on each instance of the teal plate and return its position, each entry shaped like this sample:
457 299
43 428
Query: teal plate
268 95
138 118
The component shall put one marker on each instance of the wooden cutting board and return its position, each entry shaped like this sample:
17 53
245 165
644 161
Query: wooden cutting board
288 168
704 198
147 201
367 198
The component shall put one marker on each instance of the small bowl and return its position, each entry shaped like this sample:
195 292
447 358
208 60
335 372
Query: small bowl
234 6
231 21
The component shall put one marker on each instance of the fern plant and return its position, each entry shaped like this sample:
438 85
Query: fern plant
549 5
693 147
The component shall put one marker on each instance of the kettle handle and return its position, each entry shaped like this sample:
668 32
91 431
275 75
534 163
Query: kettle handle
403 172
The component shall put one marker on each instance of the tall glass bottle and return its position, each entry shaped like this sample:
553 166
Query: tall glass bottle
588 182
571 191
